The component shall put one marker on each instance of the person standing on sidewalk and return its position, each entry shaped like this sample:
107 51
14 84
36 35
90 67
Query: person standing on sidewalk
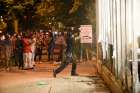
39 49
60 44
51 46
27 52
7 51
69 57
33 48
19 52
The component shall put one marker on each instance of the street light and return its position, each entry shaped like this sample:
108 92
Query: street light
3 25
1 18
50 23
72 28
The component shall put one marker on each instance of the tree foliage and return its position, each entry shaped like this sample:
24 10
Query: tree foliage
41 12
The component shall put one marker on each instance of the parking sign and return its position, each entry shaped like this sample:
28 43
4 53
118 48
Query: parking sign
86 33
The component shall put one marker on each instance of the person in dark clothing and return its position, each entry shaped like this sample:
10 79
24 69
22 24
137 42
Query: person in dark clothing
69 57
39 49
60 44
19 52
51 46
7 51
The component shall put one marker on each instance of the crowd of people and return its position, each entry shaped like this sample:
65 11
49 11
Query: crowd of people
25 49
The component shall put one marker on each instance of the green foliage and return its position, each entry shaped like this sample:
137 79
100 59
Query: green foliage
76 5
69 12
2 25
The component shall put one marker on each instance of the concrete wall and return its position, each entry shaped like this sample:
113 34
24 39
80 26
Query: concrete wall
111 81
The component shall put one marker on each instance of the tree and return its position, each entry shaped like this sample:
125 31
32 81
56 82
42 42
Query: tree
32 14
16 11
64 11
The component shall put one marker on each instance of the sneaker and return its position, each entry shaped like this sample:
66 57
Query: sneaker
74 74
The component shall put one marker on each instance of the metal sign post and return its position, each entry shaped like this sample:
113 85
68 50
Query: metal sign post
85 38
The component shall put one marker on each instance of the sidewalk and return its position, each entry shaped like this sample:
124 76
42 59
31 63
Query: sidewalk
41 80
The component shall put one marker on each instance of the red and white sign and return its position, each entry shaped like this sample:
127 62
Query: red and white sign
86 33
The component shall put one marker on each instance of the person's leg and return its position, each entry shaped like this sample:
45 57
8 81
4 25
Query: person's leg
33 57
25 60
20 61
36 54
7 64
73 69
40 55
30 64
60 53
49 55
61 67
15 59
74 66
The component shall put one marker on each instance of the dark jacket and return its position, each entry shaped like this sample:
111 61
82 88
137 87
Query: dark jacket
19 46
69 48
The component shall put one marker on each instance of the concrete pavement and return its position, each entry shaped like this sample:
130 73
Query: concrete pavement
79 84
41 81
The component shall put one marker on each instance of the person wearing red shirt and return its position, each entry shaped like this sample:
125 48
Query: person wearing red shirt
27 52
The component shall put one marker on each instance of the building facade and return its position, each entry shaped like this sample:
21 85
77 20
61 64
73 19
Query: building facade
118 43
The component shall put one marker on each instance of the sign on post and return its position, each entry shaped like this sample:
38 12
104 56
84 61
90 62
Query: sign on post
86 33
